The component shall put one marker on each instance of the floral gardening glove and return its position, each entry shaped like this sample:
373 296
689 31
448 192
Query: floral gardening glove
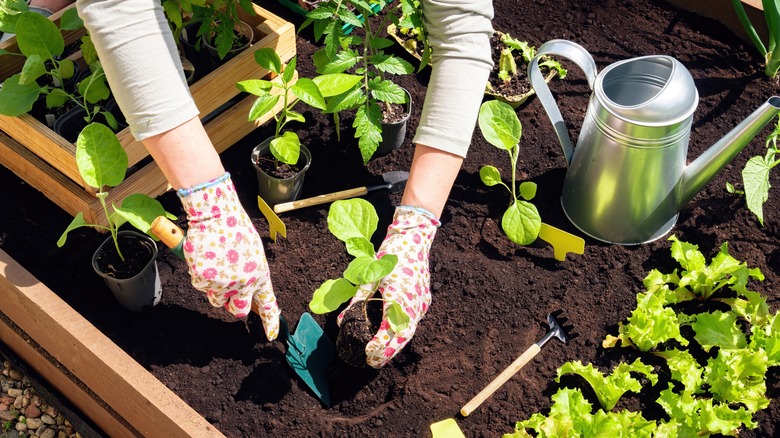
409 237
225 255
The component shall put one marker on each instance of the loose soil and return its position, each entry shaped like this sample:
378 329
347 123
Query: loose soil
490 297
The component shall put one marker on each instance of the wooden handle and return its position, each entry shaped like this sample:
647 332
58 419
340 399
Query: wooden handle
168 232
321 199
500 380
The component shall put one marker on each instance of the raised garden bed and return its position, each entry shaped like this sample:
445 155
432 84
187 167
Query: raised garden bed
47 161
490 296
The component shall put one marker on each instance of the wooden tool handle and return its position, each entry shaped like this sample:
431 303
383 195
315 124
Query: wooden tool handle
321 199
168 232
500 380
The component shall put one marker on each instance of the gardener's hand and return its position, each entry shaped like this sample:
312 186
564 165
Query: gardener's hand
225 255
409 237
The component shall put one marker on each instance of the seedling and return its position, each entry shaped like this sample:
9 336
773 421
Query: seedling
41 43
366 57
507 66
501 128
353 221
286 146
102 163
770 52
218 21
755 176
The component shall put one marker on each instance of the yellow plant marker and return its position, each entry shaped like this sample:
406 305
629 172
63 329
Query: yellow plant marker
275 225
446 429
561 241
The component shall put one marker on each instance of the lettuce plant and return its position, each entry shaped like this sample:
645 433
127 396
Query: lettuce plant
714 389
501 128
354 221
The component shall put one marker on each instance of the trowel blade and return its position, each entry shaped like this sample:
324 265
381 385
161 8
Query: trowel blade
309 352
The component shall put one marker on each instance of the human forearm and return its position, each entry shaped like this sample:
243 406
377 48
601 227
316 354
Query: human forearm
431 177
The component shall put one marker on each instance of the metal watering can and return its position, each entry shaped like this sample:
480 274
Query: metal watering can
627 178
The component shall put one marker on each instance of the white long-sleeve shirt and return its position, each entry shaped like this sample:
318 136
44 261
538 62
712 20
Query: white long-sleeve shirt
142 65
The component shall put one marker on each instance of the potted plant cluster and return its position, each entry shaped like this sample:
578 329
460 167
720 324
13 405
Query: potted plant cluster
126 259
281 161
381 106
50 80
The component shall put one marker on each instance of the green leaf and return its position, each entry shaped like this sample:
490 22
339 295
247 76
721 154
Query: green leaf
37 35
528 190
140 211
268 59
379 43
56 98
100 158
32 69
336 83
368 130
499 124
368 270
94 87
351 218
307 90
359 247
397 318
652 324
387 91
294 116
391 64
340 63
289 71
331 295
345 101
718 329
521 223
262 105
10 11
609 389
490 175
77 222
685 369
755 177
66 68
70 20
258 87
738 376
286 148
88 50
17 99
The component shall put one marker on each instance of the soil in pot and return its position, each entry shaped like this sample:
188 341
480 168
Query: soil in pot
276 168
137 254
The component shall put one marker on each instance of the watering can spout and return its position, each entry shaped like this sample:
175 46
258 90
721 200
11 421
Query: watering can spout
703 169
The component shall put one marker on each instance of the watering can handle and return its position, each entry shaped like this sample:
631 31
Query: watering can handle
575 53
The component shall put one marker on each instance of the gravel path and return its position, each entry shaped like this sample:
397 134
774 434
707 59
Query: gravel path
27 409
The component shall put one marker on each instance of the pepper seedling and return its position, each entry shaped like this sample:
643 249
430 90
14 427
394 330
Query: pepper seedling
102 162
353 221
501 128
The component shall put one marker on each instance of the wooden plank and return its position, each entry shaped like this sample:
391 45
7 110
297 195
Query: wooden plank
67 385
135 394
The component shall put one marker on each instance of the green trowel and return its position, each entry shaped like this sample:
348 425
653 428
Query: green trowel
309 351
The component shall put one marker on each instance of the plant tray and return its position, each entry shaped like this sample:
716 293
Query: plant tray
47 161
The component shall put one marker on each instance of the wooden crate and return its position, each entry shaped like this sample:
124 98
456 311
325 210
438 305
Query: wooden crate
47 161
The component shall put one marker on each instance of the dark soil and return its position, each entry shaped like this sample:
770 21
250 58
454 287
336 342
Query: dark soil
490 297
136 252
518 84
277 169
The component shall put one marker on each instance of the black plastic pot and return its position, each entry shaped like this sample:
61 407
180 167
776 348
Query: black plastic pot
393 134
141 291
275 190
70 124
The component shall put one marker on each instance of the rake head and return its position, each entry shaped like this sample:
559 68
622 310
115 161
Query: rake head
558 328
